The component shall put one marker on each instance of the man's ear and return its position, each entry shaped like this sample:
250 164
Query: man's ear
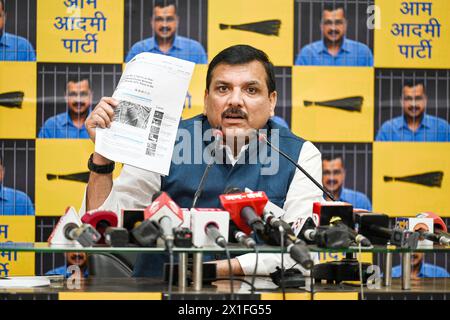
204 101
273 96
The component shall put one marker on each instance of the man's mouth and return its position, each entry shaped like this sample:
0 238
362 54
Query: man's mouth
234 114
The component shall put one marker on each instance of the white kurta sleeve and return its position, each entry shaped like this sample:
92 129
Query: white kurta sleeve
133 189
301 195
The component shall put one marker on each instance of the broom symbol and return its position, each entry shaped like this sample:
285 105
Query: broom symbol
266 27
429 179
353 104
78 177
12 99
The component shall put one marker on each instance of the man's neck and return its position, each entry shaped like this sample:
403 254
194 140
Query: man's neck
78 119
165 44
414 122
334 46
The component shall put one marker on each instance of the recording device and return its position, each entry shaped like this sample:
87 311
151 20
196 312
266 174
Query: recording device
182 237
292 278
100 220
329 236
245 209
357 238
328 210
70 230
209 227
146 233
439 225
86 235
166 213
218 137
116 237
375 226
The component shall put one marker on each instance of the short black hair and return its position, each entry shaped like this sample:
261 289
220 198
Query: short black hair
333 7
332 156
241 54
165 3
414 82
78 78
1 159
3 5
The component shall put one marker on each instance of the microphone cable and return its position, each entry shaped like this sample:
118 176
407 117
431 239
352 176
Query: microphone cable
201 185
254 271
283 289
230 271
323 189
171 267
360 271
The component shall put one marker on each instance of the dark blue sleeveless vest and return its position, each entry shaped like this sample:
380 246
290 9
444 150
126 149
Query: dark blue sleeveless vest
184 179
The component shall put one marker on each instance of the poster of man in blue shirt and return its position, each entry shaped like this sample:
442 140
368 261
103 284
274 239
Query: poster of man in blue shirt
76 259
13 202
70 124
415 124
13 47
421 269
164 22
335 49
333 177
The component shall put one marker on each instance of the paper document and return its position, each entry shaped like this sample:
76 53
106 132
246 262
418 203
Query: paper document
24 282
152 92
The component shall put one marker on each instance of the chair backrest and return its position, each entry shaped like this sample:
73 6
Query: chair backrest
107 265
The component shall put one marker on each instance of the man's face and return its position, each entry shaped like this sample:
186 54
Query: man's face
2 18
2 173
334 25
414 101
76 258
78 96
238 98
333 174
165 22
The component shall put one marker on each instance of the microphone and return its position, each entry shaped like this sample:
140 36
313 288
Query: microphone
218 137
166 213
275 227
298 251
209 227
70 230
358 238
245 209
438 223
436 238
86 235
241 237
212 231
375 226
100 220
324 190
